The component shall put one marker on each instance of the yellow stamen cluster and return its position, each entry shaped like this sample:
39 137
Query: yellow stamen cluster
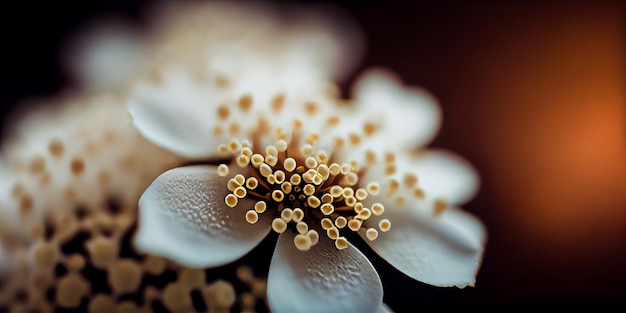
303 188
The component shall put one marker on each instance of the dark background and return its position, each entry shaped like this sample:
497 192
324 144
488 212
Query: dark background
532 94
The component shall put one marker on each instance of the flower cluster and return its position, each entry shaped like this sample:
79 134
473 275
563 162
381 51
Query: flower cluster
318 169
237 128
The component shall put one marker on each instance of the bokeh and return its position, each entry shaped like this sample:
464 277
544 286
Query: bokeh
533 95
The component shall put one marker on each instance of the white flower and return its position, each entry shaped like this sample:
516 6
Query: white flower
317 170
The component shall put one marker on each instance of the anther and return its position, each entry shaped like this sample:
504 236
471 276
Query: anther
326 223
298 215
334 169
231 200
246 151
279 225
302 242
373 188
307 150
260 206
265 170
252 183
327 209
252 216
281 146
286 187
240 179
364 214
354 224
314 236
232 185
295 179
280 176
350 201
257 160
302 227
360 194
278 195
323 171
310 162
234 145
222 170
332 233
308 189
243 160
287 215
371 234
341 222
289 164
378 209
240 192
336 191
384 225
313 201
341 243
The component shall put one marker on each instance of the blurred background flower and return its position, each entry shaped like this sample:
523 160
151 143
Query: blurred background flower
532 94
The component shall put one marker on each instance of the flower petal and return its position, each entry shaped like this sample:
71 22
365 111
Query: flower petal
322 279
441 250
384 309
178 116
182 216
445 175
410 115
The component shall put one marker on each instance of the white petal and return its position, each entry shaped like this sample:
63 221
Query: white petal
322 279
182 216
409 115
178 116
443 250
384 309
444 175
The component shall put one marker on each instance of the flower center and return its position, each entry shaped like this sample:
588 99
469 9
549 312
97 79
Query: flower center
305 189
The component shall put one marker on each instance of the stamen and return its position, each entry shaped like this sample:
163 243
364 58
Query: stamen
327 208
373 188
384 225
306 185
222 170
371 234
257 160
332 233
313 236
279 225
341 243
286 187
302 227
240 179
298 215
252 183
260 207
281 146
240 192
243 161
302 242
313 201
252 216
286 215
326 223
354 224
231 200
289 164
378 209
341 222
278 195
